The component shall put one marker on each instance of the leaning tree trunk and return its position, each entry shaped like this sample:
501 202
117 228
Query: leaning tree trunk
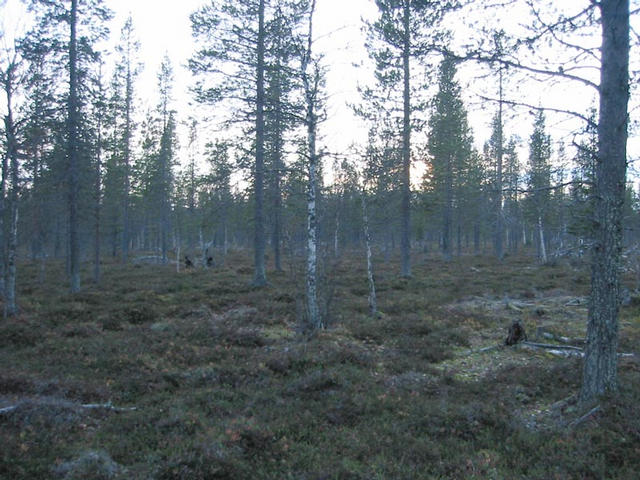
600 362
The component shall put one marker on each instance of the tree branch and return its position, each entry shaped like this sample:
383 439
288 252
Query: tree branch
477 57
514 103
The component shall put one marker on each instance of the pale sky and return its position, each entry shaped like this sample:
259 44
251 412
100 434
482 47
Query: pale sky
163 26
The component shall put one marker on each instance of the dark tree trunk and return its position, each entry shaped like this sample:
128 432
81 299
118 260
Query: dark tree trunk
405 244
127 162
98 189
499 234
600 362
9 280
447 213
259 278
72 146
10 285
277 173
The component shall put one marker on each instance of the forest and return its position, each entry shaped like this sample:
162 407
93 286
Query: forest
215 290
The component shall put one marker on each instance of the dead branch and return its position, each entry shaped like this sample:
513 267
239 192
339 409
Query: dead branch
89 406
108 406
584 417
551 346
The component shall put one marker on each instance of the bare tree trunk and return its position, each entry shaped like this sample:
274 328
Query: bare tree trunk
543 247
405 244
373 304
446 214
311 87
10 285
260 277
499 248
74 258
127 165
277 169
178 258
600 361
11 156
98 188
336 235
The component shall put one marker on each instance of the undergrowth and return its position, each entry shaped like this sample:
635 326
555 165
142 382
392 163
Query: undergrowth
223 386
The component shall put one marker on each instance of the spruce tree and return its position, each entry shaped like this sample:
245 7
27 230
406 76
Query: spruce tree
449 145
539 184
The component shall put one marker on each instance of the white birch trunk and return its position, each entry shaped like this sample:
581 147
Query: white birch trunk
373 306
311 87
543 248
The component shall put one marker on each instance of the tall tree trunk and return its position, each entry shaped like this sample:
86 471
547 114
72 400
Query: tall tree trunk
277 187
127 162
499 248
311 86
12 157
3 182
259 278
600 362
97 193
405 244
10 286
72 146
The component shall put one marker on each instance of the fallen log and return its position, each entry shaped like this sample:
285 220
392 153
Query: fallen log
89 406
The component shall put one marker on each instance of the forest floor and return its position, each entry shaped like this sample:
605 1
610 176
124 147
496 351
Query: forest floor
197 375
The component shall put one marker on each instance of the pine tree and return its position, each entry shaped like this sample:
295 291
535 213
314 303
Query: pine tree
86 25
601 352
231 66
10 79
402 33
128 69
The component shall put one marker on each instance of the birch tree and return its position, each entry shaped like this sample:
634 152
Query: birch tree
311 76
